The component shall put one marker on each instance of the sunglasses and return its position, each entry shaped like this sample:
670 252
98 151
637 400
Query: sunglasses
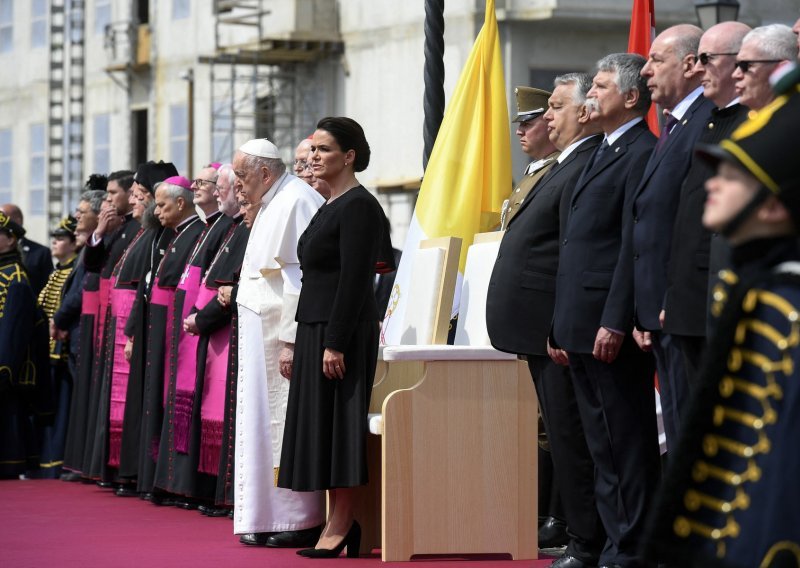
745 65
706 57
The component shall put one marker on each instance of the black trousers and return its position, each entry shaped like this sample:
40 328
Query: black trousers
616 402
572 463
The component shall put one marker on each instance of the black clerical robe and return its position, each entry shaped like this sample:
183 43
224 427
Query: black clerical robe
180 431
158 347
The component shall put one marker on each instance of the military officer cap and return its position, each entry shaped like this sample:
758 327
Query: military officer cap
530 103
66 228
762 147
10 227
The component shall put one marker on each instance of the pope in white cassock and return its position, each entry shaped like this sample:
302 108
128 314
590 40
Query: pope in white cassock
267 297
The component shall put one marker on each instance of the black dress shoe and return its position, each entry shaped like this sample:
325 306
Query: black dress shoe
70 476
107 485
126 490
553 533
187 504
162 500
255 539
230 514
352 540
211 511
568 561
295 539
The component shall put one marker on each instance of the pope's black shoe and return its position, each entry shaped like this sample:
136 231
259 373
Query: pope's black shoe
255 539
568 561
295 539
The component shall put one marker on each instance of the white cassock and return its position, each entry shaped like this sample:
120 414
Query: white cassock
269 288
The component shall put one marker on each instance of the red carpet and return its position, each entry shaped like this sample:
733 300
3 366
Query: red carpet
52 523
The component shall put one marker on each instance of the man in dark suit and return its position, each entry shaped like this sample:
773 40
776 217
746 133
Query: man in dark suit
37 258
685 304
519 310
593 314
674 84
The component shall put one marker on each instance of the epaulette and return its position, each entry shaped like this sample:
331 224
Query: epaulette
737 442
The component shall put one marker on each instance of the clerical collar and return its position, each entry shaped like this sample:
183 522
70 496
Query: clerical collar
210 219
185 223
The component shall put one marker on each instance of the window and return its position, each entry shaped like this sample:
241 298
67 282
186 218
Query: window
6 164
221 138
38 23
102 144
178 136
180 9
6 25
38 170
102 16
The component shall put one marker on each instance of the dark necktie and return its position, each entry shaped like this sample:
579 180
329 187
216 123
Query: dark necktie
665 133
597 155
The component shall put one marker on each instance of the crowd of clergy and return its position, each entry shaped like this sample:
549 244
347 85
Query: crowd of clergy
152 359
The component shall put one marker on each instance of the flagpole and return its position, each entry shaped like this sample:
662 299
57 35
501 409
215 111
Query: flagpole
434 74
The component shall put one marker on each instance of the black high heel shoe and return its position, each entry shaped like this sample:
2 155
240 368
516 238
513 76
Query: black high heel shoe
352 540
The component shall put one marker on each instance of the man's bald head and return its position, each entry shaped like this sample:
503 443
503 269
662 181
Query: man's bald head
14 212
670 68
718 48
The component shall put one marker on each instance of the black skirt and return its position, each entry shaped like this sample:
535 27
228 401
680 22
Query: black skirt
325 437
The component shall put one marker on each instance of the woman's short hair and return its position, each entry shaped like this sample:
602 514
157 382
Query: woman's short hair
350 136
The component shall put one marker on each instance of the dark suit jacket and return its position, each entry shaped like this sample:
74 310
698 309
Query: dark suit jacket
519 304
594 287
687 277
655 205
38 262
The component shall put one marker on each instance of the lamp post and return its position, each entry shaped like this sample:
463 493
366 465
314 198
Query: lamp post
188 76
712 13
433 104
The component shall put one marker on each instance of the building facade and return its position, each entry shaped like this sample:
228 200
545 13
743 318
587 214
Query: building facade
101 85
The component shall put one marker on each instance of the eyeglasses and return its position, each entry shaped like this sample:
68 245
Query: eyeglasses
745 65
706 57
201 182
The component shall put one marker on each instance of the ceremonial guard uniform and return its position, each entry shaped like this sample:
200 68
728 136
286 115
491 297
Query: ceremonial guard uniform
730 497
25 400
53 437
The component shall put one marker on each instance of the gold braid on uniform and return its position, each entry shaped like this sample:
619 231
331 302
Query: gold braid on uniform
739 432
50 300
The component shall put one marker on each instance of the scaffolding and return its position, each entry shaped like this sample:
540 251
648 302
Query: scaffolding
65 107
261 87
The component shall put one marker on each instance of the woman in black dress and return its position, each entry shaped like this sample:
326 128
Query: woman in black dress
336 347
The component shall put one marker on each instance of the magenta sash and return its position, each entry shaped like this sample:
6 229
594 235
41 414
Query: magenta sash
164 297
90 306
104 302
212 405
121 305
186 367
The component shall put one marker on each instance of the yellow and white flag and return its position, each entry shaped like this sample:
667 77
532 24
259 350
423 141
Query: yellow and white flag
469 170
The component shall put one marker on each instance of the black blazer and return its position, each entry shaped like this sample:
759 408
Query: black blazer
655 205
687 278
519 303
594 287
338 252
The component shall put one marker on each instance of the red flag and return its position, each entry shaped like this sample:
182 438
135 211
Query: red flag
640 38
